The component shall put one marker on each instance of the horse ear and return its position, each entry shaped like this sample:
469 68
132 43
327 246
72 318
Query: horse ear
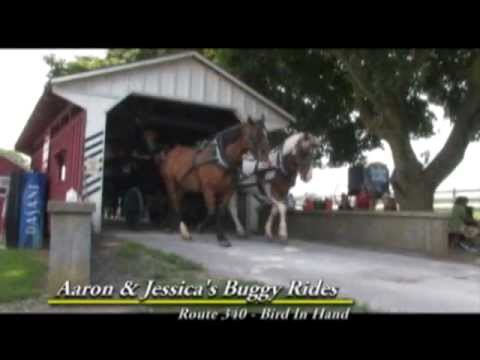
305 143
250 120
315 141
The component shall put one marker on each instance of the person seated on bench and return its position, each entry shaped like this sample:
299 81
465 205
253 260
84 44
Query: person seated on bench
389 203
344 203
364 200
462 228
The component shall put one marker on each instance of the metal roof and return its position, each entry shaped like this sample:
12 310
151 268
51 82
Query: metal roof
47 107
170 58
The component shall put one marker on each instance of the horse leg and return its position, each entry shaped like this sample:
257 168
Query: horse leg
282 229
221 210
269 223
183 225
232 207
175 196
173 214
209 197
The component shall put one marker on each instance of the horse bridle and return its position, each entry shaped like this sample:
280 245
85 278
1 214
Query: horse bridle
218 157
251 143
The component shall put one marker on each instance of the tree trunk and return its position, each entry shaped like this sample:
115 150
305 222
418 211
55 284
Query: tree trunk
414 194
413 186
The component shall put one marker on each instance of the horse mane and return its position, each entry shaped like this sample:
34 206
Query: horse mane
222 133
289 144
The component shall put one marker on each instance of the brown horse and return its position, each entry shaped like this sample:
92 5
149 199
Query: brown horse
211 171
272 185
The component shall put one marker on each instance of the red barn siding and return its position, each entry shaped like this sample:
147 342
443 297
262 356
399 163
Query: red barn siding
69 141
7 167
36 163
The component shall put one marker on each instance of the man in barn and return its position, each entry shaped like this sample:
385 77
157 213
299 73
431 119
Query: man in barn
146 141
145 174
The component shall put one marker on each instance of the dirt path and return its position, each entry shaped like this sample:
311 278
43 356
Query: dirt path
384 281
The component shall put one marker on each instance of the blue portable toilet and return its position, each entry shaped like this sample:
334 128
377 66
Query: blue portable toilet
32 210
377 179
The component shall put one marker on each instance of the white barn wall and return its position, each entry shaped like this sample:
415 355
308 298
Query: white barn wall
186 79
96 119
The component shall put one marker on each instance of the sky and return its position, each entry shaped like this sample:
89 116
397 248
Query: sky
23 74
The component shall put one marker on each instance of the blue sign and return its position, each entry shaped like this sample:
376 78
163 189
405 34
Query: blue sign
32 210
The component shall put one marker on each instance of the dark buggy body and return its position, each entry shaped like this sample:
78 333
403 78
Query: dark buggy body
135 188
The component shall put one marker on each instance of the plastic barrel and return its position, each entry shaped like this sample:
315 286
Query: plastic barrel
377 179
133 206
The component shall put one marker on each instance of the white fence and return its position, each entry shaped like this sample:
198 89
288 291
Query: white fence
444 199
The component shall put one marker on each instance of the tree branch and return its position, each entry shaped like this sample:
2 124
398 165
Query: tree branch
390 124
467 123
358 77
454 149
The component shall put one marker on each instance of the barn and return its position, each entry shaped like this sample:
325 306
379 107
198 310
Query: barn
82 122
8 165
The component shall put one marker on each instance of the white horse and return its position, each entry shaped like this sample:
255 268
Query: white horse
271 185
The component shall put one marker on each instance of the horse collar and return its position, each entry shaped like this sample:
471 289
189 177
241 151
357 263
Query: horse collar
281 165
219 154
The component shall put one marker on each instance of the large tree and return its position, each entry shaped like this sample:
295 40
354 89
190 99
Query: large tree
311 87
392 91
356 97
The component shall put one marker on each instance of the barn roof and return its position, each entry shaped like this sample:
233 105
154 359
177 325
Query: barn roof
47 107
52 103
171 58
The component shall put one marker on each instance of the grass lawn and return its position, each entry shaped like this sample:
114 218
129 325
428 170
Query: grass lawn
131 261
22 274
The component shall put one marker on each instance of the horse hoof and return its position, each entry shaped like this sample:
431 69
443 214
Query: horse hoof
283 240
224 243
268 238
184 231
242 235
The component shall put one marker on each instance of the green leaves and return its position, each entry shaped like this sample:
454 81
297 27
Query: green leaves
60 67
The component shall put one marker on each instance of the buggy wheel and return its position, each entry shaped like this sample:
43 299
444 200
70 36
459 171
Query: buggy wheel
158 209
133 206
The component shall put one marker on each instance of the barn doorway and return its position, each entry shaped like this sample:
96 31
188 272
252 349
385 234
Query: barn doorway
140 125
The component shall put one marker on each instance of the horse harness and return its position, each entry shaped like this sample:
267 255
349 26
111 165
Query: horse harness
218 158
261 177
